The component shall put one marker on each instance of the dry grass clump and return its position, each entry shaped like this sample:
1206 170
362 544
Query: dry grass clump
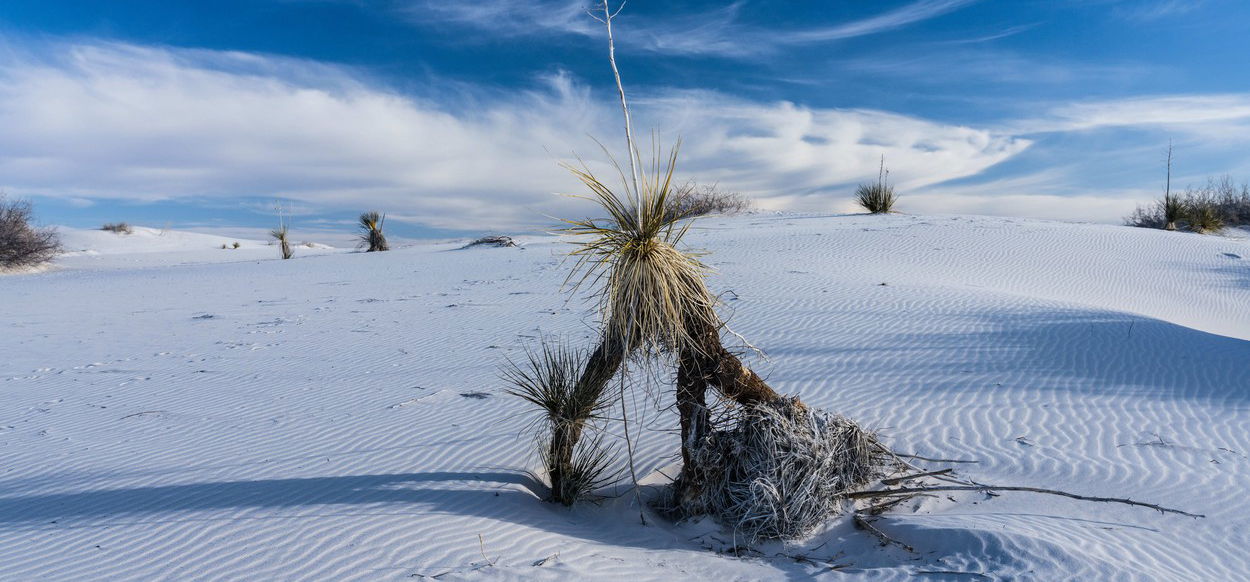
21 244
118 228
877 197
550 379
693 200
280 234
779 469
372 237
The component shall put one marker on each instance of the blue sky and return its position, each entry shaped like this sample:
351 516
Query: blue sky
452 117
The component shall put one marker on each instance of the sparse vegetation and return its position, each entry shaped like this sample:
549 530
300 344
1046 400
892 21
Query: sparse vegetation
372 237
877 197
698 200
118 228
1220 203
235 244
21 243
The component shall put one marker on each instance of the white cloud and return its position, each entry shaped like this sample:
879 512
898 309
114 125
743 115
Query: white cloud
1195 114
109 121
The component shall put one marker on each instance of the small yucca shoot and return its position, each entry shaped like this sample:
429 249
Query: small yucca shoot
550 380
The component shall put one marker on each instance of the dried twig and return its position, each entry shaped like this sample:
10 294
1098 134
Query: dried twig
992 488
886 540
897 480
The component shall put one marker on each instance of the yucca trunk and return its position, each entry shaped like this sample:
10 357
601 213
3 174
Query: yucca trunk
286 249
564 437
708 363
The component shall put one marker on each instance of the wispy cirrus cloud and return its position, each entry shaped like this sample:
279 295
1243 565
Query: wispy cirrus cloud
717 33
1210 115
1150 10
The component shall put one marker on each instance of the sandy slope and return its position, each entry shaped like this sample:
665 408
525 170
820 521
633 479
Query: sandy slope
340 417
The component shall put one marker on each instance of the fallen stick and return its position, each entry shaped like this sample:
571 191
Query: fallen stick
886 540
992 488
920 458
897 480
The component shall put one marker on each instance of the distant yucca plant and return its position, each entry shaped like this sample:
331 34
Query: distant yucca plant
550 379
372 237
280 234
879 197
1173 209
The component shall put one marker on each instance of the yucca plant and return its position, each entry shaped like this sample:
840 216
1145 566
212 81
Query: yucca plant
1204 216
372 237
651 294
1173 210
653 299
280 234
549 378
878 197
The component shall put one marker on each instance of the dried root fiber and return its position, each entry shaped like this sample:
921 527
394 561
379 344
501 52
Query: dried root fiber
779 469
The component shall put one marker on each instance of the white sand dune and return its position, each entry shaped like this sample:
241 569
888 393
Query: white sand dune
341 416
156 247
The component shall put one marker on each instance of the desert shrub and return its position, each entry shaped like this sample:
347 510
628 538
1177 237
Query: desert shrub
372 237
280 234
692 200
877 197
118 228
550 379
21 244
1233 202
235 245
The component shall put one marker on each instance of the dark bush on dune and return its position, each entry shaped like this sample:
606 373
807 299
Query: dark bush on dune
492 241
118 228
21 244
693 200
